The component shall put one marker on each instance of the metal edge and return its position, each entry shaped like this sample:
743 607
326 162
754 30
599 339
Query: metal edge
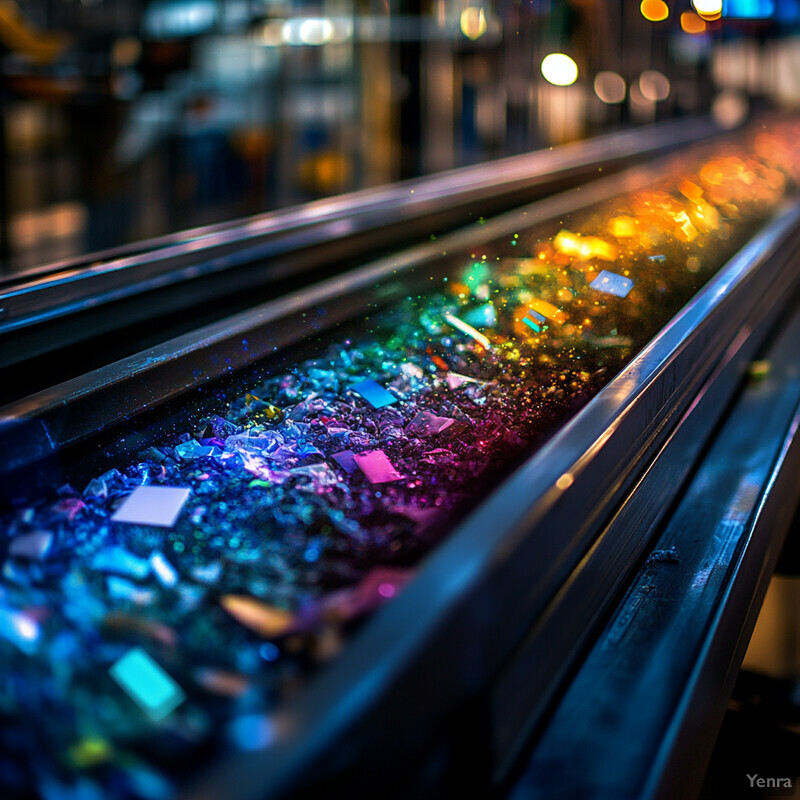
680 765
528 684
179 254
614 552
640 718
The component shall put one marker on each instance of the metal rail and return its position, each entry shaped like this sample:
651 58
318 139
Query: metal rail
640 718
71 301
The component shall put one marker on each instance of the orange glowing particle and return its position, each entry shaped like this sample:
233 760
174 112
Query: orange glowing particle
623 227
711 173
585 247
549 310
690 190
689 230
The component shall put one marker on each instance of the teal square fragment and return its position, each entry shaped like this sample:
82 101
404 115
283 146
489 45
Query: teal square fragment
147 683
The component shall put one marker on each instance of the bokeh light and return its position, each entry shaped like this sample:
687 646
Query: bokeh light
610 86
654 85
708 9
654 10
559 69
473 22
309 31
729 109
691 23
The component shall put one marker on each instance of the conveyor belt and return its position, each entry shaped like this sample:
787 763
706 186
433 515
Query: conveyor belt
491 427
65 319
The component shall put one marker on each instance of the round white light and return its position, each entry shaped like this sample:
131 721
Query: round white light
707 8
559 69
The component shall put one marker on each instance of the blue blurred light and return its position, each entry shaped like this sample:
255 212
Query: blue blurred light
165 19
748 9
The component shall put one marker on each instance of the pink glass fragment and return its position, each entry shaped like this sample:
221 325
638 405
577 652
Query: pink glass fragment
376 466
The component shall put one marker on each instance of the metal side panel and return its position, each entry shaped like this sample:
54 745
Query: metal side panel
102 277
640 718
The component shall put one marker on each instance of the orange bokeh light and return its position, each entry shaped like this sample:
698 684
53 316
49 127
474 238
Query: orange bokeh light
691 23
654 10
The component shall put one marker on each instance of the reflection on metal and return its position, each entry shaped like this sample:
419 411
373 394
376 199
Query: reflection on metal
642 714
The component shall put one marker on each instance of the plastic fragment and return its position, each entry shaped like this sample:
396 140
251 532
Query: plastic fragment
147 683
122 562
33 546
374 393
226 684
376 466
195 449
454 380
123 589
166 574
611 283
207 573
20 629
346 460
89 752
484 316
152 505
426 424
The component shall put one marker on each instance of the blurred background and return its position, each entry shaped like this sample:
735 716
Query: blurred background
127 119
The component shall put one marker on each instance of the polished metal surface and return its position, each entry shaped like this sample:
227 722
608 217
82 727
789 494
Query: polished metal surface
641 717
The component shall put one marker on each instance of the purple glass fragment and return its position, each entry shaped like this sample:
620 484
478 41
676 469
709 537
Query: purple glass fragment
345 460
